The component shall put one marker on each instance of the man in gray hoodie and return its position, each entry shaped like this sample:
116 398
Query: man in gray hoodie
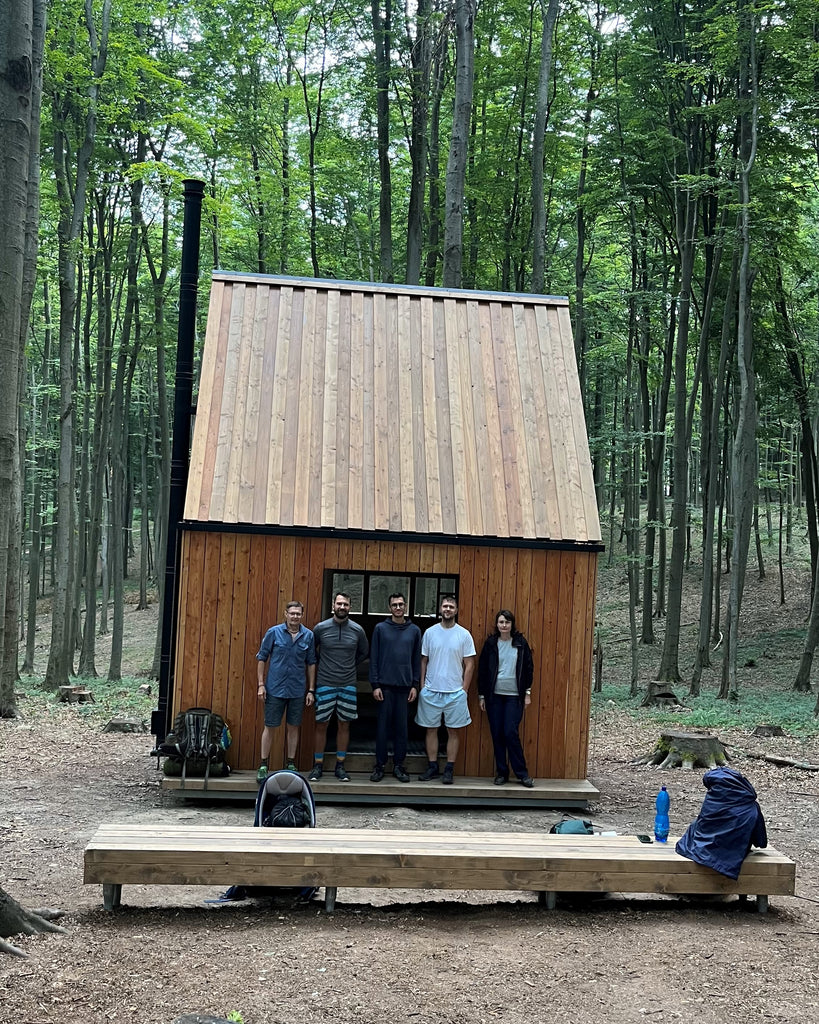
395 671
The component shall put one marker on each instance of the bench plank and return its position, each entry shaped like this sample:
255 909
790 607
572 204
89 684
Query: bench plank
408 859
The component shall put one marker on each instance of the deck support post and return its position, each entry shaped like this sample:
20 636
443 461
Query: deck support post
547 899
330 898
762 904
111 895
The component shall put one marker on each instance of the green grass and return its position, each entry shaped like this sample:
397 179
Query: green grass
756 706
120 698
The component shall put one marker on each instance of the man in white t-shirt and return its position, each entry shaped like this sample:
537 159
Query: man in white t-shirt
447 666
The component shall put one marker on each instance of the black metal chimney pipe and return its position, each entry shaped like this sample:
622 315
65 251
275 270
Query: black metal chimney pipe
194 191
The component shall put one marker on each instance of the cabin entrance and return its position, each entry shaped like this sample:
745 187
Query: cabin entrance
369 604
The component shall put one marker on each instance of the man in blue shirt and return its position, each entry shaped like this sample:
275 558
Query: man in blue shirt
289 651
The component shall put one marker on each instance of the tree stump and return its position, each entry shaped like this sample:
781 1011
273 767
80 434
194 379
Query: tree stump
659 695
17 920
768 730
125 725
686 749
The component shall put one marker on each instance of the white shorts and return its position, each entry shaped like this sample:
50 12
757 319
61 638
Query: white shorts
434 705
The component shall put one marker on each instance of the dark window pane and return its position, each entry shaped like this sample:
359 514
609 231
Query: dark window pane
379 592
426 595
352 584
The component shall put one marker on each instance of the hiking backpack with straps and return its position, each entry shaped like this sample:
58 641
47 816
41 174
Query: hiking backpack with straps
196 745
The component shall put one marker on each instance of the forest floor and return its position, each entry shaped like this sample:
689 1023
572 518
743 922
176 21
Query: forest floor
409 956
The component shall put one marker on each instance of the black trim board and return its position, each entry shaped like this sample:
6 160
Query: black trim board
325 533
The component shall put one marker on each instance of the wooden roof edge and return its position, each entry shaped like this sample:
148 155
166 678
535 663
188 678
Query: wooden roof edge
332 283
396 536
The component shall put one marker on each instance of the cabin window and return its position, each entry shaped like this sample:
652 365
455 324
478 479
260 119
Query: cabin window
370 591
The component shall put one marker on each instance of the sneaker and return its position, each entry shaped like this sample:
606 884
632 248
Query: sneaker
378 773
316 773
431 773
261 774
528 782
500 780
449 775
401 773
341 775
291 766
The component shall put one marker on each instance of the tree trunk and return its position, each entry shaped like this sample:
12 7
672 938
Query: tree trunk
459 143
16 920
382 38
549 11
420 56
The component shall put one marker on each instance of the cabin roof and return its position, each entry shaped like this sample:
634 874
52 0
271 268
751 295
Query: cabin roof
350 406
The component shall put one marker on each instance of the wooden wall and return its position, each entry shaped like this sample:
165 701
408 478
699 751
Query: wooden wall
234 586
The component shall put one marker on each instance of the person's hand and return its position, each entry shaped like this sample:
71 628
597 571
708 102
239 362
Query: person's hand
260 691
412 695
481 703
309 698
378 693
527 700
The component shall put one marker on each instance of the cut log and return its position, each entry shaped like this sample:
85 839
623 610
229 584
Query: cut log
686 749
125 725
786 762
768 730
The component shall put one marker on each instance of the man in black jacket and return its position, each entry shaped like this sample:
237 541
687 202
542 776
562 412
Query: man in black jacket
395 671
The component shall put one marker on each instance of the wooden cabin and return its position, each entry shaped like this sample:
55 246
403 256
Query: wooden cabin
373 438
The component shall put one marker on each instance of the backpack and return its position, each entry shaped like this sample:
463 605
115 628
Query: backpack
196 745
572 827
287 812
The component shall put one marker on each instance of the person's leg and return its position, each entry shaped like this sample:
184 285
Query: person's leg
453 742
319 742
494 712
513 714
342 740
432 745
398 720
267 740
382 729
292 741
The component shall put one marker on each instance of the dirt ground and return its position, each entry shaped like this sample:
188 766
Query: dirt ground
389 955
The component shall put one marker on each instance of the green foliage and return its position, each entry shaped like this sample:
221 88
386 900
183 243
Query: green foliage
111 698
757 705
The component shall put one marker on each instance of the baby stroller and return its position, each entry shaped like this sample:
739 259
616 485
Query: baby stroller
284 800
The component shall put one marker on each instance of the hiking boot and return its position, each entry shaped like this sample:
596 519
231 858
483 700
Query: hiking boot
341 775
500 780
378 773
261 774
431 773
449 775
316 773
401 773
528 782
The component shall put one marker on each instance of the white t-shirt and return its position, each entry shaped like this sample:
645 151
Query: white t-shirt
446 650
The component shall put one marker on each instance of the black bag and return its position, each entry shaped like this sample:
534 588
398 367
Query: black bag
287 812
196 745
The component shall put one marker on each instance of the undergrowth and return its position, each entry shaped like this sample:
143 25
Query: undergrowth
112 698
756 706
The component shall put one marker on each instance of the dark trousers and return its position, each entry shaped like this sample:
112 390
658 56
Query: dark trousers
392 724
505 714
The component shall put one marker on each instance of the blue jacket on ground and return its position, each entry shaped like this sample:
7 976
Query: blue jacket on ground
730 822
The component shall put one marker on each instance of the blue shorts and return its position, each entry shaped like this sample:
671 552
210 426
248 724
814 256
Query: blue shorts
274 708
433 705
338 700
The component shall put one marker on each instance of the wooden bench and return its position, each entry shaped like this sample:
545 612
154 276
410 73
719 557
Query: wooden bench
370 859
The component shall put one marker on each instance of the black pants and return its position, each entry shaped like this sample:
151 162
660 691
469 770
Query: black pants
505 714
392 724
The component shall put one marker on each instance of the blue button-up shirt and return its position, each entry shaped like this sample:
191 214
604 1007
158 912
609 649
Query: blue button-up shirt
286 659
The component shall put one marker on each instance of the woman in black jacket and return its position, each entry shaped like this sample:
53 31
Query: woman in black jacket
505 672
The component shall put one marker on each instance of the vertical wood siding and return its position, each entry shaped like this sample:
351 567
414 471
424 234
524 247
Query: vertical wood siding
235 586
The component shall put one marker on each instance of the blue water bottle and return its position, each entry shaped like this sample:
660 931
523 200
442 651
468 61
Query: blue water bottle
661 824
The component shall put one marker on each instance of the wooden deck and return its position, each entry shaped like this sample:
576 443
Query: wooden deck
480 792
424 859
